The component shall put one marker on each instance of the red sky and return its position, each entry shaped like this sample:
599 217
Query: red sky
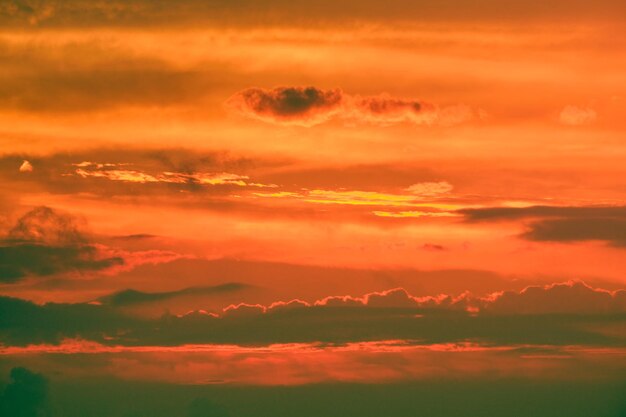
179 159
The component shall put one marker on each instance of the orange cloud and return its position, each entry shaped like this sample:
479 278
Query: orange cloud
576 116
201 178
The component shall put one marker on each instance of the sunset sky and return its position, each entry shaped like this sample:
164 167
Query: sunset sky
300 209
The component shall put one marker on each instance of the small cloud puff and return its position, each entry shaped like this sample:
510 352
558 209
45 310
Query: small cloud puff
26 167
430 189
577 116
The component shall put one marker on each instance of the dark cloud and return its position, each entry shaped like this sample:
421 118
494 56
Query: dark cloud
85 13
514 213
299 105
561 224
22 260
132 297
44 242
612 231
23 322
26 395
567 298
45 225
307 106
570 313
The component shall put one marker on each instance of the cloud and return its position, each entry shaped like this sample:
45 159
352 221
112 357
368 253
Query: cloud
308 106
430 189
26 167
26 395
612 231
109 172
433 247
562 224
577 116
47 226
112 172
291 105
45 242
360 198
567 313
132 297
23 260
514 213
200 13
572 297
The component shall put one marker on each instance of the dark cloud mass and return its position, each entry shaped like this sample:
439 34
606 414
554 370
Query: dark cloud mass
612 231
561 224
514 213
45 242
569 313
308 105
80 13
25 396
45 225
131 297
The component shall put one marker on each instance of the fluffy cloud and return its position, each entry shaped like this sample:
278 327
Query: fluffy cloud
297 105
308 106
26 167
47 226
430 189
46 242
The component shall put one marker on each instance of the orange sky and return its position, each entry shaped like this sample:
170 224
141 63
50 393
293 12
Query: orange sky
164 162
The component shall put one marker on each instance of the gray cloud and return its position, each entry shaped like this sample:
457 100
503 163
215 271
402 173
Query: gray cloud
570 313
561 224
26 395
132 297
308 106
514 213
612 231
44 242
84 13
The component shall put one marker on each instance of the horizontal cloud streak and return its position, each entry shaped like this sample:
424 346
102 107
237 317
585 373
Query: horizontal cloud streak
132 297
570 313
561 224
308 106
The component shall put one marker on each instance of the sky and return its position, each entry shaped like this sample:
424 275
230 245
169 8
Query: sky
241 208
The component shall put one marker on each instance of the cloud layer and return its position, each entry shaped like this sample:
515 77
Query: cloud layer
569 313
